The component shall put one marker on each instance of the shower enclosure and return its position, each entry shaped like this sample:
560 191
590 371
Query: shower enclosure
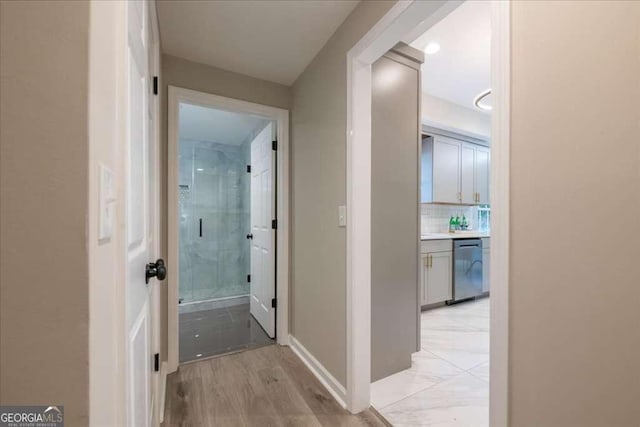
214 219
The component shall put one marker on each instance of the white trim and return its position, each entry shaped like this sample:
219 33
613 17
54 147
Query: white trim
405 21
163 390
332 385
500 178
177 95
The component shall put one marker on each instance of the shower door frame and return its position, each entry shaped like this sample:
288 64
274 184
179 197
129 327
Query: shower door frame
179 95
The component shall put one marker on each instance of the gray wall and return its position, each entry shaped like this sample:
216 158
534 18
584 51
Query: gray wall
395 227
319 186
44 279
575 202
192 75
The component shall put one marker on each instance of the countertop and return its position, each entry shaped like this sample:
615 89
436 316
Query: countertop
456 235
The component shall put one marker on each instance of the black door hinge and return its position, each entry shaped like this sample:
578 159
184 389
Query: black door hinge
274 224
274 145
274 303
249 278
248 168
155 85
156 362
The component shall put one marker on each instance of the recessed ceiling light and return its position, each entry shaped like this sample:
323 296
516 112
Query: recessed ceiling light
200 169
484 106
432 48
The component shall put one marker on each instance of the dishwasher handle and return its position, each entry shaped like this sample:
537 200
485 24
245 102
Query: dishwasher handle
468 243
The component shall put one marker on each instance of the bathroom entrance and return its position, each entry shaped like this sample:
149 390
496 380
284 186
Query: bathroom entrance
226 231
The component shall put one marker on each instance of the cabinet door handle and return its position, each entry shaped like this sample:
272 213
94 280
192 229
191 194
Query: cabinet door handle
430 261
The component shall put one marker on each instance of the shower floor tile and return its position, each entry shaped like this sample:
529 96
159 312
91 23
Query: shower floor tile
217 331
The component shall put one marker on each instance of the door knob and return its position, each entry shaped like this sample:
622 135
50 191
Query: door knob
155 269
249 236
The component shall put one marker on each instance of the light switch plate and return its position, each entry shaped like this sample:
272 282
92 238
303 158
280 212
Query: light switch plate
106 203
342 216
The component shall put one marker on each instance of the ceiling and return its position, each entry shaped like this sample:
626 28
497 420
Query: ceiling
462 67
272 40
208 124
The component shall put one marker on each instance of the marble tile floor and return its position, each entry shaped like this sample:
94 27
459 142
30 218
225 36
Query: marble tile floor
448 382
218 331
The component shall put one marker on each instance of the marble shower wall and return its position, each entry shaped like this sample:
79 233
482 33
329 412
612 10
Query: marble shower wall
214 187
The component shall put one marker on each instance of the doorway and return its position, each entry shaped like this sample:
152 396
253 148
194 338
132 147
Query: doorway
225 180
405 22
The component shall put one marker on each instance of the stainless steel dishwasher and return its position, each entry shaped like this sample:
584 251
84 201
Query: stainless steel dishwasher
467 269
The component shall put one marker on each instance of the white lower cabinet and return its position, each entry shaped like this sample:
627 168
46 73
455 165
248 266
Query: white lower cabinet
437 271
486 254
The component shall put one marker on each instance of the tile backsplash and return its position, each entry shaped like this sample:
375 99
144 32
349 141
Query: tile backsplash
435 218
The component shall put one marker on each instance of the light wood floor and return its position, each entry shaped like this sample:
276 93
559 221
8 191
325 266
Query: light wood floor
268 386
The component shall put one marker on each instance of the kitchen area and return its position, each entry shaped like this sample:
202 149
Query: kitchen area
455 217
446 382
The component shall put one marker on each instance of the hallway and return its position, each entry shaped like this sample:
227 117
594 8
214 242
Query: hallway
266 386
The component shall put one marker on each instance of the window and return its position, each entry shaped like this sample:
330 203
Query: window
484 218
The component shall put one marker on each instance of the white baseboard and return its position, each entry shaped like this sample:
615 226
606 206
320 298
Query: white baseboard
163 389
332 385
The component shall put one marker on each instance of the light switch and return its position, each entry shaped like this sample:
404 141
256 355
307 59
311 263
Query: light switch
342 216
107 197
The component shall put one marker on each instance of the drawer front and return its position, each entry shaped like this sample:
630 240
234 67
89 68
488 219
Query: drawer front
431 246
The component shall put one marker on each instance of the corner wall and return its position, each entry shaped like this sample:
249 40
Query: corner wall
44 278
575 201
319 154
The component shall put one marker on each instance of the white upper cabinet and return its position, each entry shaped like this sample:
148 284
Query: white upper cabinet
467 174
446 170
454 171
482 172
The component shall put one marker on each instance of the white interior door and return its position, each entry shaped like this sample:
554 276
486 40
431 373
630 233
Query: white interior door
154 203
263 290
139 219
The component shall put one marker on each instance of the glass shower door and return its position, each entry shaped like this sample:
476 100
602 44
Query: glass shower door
214 221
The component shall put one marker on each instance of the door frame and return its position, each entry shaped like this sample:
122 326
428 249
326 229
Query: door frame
281 116
406 20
